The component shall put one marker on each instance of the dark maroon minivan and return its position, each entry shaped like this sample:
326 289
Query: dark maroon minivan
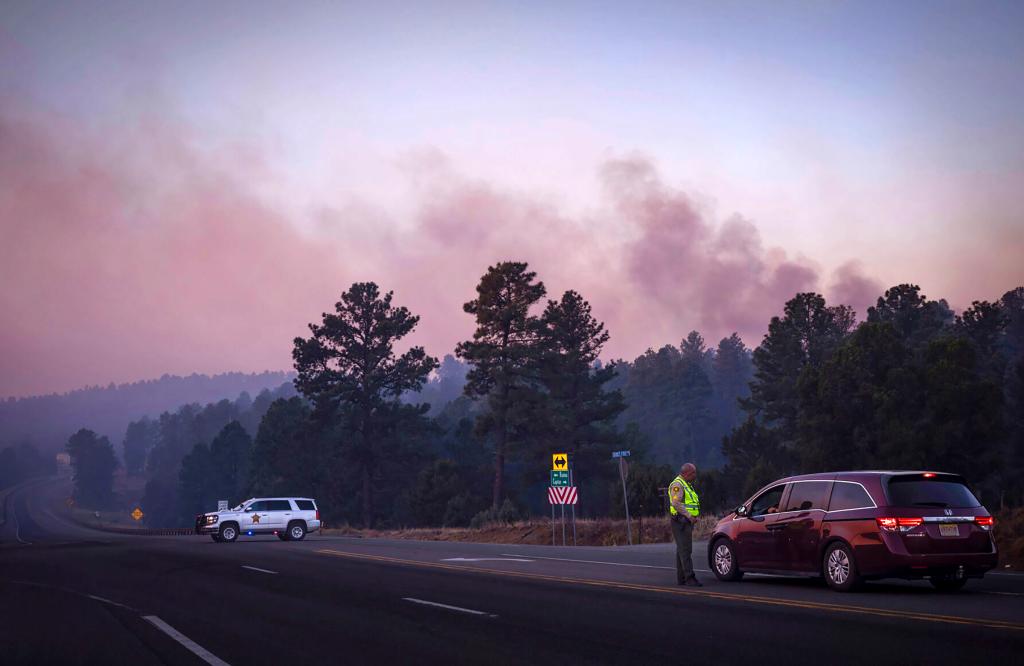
856 526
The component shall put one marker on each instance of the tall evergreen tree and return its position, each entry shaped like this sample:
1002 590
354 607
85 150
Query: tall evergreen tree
806 334
93 462
196 484
579 411
501 353
285 455
349 370
139 439
229 456
732 370
914 318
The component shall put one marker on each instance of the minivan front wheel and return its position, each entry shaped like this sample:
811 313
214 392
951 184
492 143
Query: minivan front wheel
840 569
723 561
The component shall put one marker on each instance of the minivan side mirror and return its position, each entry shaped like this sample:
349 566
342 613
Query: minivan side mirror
741 511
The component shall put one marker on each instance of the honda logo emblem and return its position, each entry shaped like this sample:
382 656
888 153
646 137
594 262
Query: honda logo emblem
948 512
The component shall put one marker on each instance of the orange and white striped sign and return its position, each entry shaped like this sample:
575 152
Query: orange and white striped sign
564 495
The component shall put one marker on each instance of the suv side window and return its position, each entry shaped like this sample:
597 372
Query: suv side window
279 505
807 495
257 506
305 505
767 502
847 495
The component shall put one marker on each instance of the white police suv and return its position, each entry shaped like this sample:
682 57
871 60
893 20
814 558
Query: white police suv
290 518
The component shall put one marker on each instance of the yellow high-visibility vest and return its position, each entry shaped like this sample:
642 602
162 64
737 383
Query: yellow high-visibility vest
690 501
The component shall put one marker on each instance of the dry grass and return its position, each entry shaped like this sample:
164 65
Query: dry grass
591 532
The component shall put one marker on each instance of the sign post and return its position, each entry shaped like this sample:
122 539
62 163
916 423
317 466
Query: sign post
559 463
561 495
573 506
622 455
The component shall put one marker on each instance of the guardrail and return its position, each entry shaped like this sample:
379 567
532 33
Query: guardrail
137 531
6 492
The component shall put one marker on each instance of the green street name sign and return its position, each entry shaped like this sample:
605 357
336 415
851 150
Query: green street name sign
559 478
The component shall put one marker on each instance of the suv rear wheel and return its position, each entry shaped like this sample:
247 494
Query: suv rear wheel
840 569
228 532
723 561
296 531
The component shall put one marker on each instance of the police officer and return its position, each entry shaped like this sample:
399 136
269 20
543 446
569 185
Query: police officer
684 507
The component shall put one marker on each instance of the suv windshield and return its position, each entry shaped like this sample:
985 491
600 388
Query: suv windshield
942 492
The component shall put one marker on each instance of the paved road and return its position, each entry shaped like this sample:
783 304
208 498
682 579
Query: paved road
73 595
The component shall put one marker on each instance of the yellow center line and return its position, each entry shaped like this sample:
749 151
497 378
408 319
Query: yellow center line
728 596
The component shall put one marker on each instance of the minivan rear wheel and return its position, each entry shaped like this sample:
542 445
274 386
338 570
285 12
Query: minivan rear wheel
840 569
947 583
723 561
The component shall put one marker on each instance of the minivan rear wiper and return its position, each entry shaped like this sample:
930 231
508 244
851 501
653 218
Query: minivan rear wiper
941 505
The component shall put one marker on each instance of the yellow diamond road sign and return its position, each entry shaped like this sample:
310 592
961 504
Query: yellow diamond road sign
137 513
559 461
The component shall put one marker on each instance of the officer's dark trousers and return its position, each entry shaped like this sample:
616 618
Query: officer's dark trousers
682 530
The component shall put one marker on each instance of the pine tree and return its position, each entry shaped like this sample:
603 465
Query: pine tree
501 353
349 370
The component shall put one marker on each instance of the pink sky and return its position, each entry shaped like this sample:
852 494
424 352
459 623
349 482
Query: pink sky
173 207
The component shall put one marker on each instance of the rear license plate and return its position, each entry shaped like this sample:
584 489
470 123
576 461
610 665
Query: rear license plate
949 530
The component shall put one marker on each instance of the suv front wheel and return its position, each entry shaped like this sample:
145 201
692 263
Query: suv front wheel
840 569
228 532
296 531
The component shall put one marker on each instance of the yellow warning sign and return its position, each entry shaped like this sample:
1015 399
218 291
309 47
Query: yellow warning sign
137 514
559 462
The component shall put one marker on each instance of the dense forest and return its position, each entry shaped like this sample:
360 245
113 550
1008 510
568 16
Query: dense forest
383 438
47 420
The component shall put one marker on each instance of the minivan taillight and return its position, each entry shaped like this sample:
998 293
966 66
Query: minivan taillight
899 524
985 522
318 514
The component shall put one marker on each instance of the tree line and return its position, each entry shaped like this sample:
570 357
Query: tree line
912 386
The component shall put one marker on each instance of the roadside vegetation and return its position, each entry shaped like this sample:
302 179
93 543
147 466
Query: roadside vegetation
388 437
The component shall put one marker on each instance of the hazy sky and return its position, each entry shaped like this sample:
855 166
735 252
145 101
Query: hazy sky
183 187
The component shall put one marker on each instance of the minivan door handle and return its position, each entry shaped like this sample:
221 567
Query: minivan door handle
775 527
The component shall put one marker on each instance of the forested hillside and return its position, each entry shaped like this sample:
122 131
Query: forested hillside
398 439
48 420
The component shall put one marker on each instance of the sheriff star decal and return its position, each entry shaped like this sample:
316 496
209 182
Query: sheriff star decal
255 518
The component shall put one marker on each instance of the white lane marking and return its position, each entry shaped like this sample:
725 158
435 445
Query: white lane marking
485 559
446 606
1005 594
189 644
643 566
108 601
614 564
267 571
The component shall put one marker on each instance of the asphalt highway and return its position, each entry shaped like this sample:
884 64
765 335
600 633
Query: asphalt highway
69 594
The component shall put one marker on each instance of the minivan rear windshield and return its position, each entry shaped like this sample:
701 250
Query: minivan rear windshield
940 491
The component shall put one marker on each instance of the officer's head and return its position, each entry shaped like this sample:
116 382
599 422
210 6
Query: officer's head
688 472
